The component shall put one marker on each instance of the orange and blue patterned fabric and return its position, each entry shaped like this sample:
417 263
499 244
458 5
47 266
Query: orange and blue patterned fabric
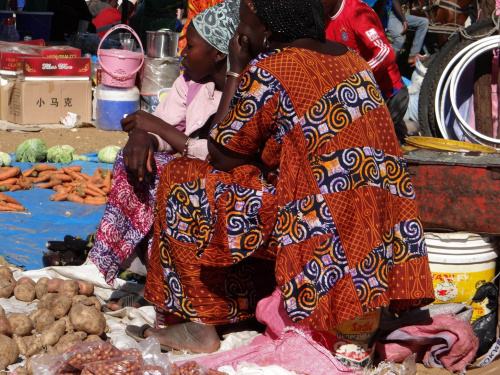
329 206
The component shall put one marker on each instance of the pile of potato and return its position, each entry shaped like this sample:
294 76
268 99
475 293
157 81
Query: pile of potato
68 313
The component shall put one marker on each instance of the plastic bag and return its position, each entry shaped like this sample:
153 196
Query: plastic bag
193 368
128 365
75 358
485 327
146 358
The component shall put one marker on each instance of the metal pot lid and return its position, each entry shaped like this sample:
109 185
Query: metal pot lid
161 31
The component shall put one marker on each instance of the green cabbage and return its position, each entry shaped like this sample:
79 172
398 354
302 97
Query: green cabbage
5 159
81 157
108 154
33 150
60 154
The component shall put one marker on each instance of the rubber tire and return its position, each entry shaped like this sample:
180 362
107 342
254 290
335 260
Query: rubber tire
426 107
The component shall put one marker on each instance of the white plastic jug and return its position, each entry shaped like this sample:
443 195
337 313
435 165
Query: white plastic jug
112 104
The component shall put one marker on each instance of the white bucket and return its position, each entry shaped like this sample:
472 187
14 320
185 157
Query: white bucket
461 262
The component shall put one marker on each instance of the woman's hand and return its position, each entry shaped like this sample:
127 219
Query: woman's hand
138 153
239 53
142 120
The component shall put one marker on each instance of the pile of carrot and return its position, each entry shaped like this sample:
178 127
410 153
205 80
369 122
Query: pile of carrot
11 179
70 184
7 203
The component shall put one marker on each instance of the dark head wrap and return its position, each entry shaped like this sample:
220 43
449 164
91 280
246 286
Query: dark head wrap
291 19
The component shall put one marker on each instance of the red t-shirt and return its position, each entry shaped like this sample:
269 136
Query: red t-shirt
106 17
357 26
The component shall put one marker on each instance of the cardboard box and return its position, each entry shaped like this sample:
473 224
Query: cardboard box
5 90
45 102
56 67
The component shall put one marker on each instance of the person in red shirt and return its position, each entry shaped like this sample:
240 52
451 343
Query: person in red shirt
109 16
355 24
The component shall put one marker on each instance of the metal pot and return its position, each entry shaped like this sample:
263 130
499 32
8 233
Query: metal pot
162 43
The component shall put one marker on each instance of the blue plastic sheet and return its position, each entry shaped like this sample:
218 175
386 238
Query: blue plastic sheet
23 234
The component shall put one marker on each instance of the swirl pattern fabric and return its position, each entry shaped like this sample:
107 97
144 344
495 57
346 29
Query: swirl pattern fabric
335 209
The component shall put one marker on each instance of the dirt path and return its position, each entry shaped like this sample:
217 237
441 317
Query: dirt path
83 140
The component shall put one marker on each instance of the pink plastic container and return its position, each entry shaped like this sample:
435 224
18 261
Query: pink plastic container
119 67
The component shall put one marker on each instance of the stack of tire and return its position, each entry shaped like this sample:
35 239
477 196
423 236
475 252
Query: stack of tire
436 65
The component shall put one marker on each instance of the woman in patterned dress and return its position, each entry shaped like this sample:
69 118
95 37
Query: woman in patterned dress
306 189
123 237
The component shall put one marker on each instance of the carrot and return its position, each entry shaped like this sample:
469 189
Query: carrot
96 201
9 181
75 168
107 182
8 199
25 182
49 184
15 188
97 178
6 208
5 187
74 198
95 188
58 188
60 176
28 172
44 167
59 196
73 174
10 172
41 178
87 177
16 207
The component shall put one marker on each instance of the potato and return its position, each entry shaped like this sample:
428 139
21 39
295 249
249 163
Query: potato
69 288
43 280
26 280
6 288
91 338
97 303
53 284
8 352
82 299
40 290
24 292
69 326
66 342
5 273
43 319
45 300
21 324
59 305
29 345
5 328
82 335
52 334
87 319
85 288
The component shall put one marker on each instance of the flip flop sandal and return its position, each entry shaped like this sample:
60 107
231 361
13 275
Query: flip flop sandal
137 333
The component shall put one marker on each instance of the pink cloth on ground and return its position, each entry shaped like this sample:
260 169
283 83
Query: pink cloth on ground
284 344
445 341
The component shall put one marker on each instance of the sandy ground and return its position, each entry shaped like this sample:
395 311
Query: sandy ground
84 139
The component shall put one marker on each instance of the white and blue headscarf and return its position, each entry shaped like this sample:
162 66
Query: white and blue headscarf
217 24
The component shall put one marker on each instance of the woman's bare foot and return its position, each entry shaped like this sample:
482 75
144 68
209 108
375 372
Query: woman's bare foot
190 336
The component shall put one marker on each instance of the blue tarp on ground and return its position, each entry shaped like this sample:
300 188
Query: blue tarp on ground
23 234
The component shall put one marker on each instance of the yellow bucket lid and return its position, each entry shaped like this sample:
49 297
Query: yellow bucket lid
448 145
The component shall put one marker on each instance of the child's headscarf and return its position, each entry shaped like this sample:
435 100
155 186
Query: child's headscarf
217 24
